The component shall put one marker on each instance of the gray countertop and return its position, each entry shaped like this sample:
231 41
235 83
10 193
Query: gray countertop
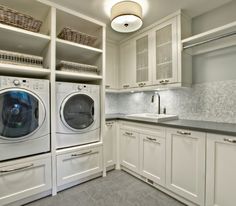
203 126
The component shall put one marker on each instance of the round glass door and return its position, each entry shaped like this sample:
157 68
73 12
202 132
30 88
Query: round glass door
77 111
19 114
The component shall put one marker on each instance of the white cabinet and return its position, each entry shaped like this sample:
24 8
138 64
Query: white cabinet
166 50
112 65
221 170
185 159
143 60
79 164
127 65
110 143
24 178
152 157
129 149
155 58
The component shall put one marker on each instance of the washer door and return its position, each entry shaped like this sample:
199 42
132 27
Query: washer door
77 112
21 114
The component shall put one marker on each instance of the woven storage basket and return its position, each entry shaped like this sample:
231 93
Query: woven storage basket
76 67
17 19
77 36
8 57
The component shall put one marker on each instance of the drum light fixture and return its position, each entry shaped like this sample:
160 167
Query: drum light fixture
126 16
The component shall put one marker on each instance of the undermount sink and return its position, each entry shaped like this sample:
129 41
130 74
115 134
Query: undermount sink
153 117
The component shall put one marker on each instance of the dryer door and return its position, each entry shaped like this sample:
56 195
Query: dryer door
21 114
77 112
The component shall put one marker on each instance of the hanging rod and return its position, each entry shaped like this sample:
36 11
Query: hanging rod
210 40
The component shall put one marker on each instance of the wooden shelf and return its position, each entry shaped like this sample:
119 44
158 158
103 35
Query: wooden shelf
20 40
71 51
214 45
62 75
10 69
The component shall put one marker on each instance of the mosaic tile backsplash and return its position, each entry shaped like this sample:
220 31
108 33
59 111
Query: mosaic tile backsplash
211 101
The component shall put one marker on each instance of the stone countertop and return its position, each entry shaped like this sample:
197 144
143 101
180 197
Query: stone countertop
203 126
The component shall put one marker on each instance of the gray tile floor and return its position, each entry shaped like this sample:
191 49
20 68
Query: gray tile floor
117 189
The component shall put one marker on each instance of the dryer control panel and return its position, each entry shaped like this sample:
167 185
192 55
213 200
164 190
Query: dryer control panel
27 83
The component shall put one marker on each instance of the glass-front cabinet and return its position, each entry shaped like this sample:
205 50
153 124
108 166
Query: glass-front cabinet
166 50
143 61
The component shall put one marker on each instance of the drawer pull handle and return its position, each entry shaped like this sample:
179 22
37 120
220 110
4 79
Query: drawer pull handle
129 133
109 124
17 169
84 153
126 86
141 84
230 140
184 133
107 86
164 81
151 139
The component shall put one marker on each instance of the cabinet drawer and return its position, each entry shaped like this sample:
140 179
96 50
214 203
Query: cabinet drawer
79 164
21 180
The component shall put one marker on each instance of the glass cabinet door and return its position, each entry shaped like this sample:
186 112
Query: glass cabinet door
166 52
142 61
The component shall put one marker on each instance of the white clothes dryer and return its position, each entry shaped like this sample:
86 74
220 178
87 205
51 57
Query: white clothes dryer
78 114
24 117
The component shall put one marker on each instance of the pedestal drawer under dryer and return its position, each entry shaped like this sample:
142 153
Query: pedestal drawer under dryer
78 164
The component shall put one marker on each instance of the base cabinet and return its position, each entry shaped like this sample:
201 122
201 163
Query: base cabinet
79 164
110 143
24 178
221 170
152 158
129 144
185 159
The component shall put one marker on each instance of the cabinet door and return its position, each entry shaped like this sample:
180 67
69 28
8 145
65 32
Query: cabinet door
152 158
166 69
22 180
185 166
110 144
143 61
129 149
112 65
221 170
78 165
127 65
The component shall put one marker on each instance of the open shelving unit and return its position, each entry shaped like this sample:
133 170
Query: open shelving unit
214 39
47 45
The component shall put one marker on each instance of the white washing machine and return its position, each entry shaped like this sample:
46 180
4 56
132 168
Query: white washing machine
78 114
24 117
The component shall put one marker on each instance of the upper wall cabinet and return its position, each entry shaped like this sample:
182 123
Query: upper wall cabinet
154 57
112 65
166 50
127 65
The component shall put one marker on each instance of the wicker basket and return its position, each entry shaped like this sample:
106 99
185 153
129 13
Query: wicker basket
17 19
76 67
8 57
77 36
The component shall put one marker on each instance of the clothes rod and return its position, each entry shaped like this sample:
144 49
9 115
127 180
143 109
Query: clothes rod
210 40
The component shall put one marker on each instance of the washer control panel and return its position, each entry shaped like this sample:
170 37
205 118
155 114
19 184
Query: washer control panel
33 84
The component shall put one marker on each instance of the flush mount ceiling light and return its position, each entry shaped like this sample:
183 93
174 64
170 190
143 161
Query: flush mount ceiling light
126 16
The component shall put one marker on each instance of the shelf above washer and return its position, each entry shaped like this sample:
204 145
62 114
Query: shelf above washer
62 75
18 70
20 40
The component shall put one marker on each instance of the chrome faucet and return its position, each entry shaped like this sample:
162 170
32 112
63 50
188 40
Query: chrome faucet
159 101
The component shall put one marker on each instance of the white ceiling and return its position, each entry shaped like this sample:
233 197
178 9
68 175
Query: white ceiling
153 10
